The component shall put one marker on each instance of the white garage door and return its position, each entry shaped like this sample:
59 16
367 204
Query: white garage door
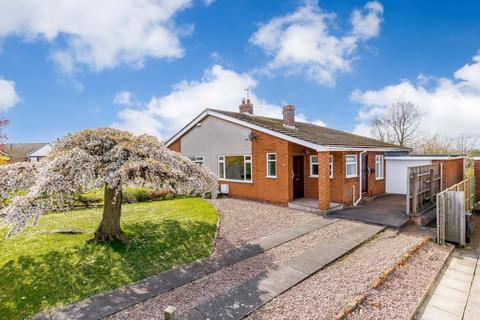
396 178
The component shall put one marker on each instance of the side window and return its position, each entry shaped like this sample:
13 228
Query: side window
313 166
271 165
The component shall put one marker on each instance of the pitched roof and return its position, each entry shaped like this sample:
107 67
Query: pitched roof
21 150
311 132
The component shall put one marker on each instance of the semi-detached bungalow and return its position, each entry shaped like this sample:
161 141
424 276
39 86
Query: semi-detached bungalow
279 160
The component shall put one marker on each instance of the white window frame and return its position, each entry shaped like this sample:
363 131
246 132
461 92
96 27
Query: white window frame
311 166
198 159
221 162
381 159
274 161
330 164
347 163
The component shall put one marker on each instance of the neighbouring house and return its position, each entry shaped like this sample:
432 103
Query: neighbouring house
25 151
279 160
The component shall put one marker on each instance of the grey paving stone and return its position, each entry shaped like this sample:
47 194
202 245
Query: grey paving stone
304 264
433 313
278 280
455 284
267 243
446 304
192 314
235 304
450 293
85 310
323 254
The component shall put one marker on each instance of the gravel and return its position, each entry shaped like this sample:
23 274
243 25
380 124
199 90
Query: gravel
192 294
324 294
242 221
396 299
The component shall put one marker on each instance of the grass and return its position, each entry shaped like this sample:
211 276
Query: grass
40 269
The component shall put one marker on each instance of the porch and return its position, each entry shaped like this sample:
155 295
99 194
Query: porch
311 205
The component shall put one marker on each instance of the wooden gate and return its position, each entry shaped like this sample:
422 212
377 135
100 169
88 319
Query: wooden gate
452 206
423 183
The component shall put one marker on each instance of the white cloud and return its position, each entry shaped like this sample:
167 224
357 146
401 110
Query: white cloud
451 106
8 95
219 88
208 2
302 42
124 98
99 34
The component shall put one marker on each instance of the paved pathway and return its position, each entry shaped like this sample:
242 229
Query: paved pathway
457 294
242 300
106 304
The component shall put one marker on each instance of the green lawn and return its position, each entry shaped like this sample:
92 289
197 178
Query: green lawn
39 269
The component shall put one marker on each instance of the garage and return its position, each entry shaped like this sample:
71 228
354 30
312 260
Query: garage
397 168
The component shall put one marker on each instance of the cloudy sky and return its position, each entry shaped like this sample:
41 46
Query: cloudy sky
149 66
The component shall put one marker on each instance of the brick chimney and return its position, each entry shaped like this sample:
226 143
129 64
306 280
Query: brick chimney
246 106
289 116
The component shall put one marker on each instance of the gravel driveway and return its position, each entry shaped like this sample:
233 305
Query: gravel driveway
329 290
242 221
193 294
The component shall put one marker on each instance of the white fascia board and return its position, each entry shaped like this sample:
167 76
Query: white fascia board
372 149
420 158
476 158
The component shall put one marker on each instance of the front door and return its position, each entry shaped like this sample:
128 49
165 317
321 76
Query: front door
364 173
298 177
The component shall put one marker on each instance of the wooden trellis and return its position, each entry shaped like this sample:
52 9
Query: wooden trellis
424 182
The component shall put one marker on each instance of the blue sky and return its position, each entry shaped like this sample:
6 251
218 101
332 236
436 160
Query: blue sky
61 67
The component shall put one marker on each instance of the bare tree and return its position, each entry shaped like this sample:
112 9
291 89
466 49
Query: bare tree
463 144
399 124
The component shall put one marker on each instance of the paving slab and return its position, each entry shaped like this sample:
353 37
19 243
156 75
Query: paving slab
245 298
455 295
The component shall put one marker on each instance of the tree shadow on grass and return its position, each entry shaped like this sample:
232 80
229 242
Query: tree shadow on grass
31 284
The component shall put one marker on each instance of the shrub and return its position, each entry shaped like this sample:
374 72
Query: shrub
89 199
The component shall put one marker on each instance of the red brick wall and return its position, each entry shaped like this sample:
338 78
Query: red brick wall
452 171
324 180
476 172
176 146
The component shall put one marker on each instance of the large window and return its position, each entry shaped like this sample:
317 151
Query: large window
313 166
379 167
351 163
271 165
235 168
197 159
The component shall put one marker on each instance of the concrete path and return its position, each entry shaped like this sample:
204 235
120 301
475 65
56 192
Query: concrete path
242 300
386 210
103 305
457 294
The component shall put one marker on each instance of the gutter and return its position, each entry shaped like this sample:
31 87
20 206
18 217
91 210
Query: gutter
360 191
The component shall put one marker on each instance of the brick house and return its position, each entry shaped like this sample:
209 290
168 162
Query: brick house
279 160
31 152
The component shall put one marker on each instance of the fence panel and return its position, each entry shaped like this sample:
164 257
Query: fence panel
424 182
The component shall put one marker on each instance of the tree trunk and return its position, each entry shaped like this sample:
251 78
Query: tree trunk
109 228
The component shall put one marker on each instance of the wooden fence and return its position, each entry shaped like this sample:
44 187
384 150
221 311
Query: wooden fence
424 182
452 205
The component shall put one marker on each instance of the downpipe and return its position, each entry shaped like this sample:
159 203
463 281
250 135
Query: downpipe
360 191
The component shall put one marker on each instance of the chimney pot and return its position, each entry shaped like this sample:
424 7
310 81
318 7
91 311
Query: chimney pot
289 116
246 106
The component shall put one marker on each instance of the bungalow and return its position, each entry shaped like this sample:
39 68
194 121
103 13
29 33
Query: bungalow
279 160
31 152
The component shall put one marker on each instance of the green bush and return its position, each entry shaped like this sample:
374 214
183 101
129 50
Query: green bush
89 199
131 195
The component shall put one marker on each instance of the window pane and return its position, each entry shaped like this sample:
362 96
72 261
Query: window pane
315 169
248 169
351 169
314 159
272 168
331 166
221 173
234 168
